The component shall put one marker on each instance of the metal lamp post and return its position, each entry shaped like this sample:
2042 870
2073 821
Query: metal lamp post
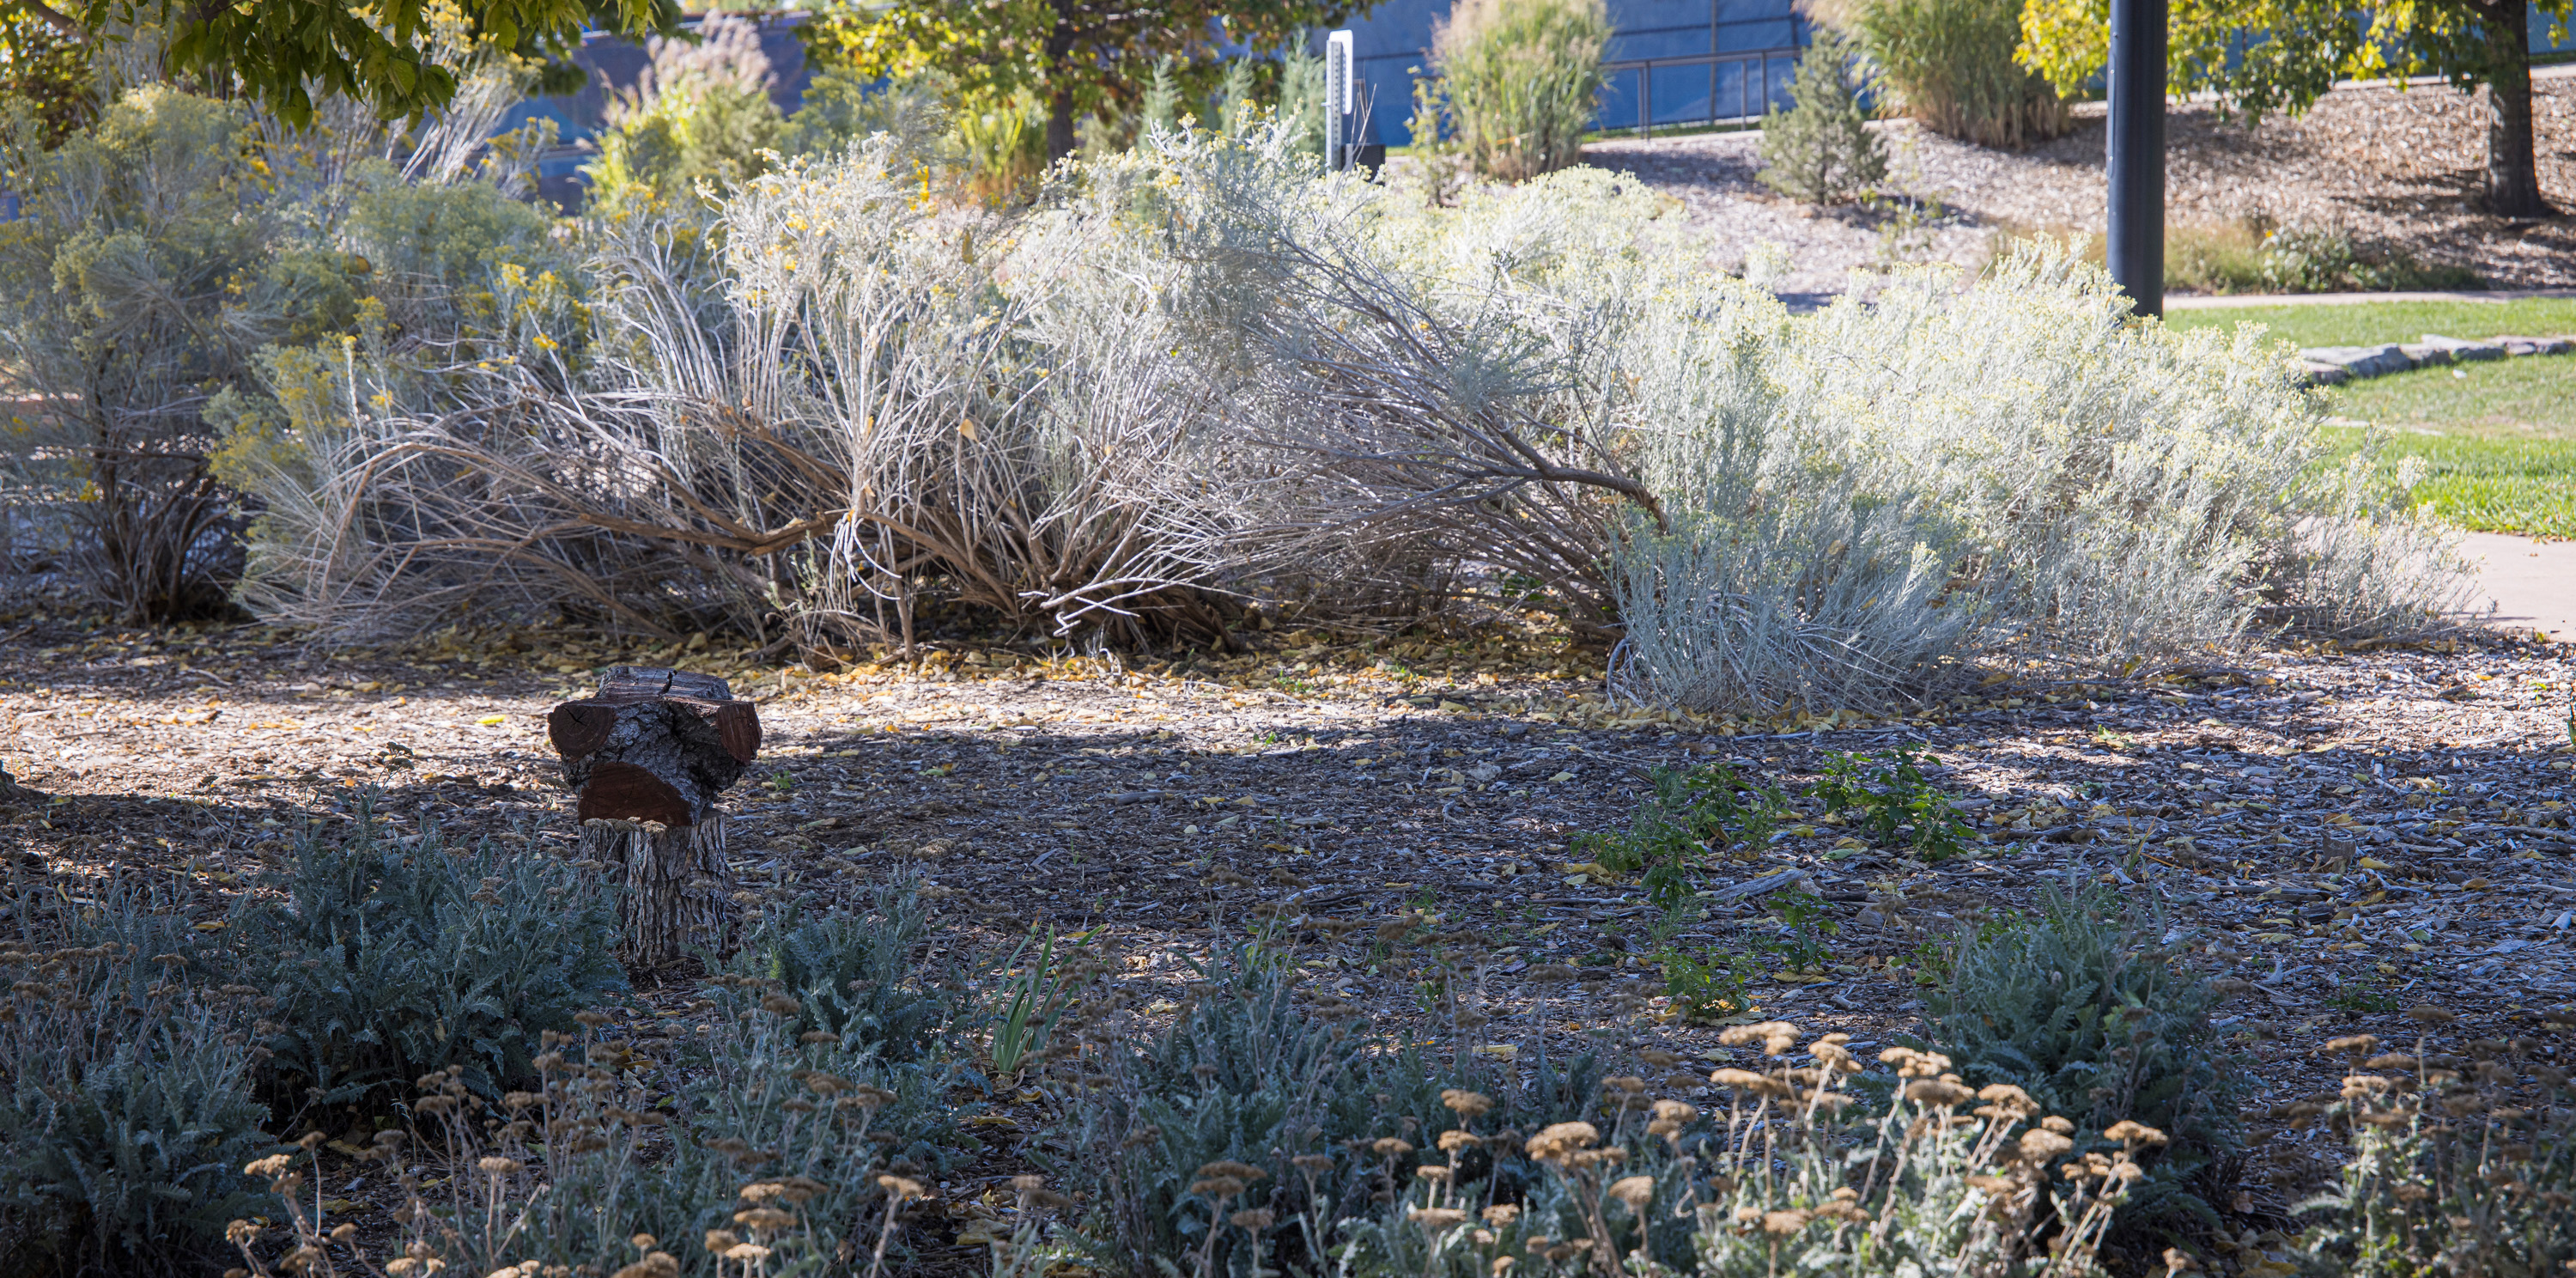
2137 152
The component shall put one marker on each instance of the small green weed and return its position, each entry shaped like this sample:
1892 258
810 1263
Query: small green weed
1706 989
1804 924
1033 1000
1895 801
1690 814
2367 995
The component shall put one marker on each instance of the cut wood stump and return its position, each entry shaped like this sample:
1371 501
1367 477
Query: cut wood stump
648 753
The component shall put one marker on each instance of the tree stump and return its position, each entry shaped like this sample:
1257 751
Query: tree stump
648 754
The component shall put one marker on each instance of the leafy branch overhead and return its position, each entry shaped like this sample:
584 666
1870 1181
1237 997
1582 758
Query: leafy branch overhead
1080 57
2283 55
286 52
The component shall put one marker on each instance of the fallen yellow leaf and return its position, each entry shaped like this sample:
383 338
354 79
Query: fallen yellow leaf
2374 863
493 720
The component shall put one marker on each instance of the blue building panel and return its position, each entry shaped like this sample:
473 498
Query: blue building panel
1393 45
1738 57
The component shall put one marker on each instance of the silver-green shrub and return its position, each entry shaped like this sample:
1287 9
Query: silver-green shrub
126 1104
2038 475
1203 367
380 964
151 267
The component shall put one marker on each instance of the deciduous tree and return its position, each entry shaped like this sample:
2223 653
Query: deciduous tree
1079 56
2282 55
283 51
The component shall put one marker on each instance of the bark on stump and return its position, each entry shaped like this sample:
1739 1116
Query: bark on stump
648 754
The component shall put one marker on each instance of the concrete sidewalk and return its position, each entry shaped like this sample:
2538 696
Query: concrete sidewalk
2531 583
2232 301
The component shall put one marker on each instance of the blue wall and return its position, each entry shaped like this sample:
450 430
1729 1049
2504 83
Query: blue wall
1392 43
1393 40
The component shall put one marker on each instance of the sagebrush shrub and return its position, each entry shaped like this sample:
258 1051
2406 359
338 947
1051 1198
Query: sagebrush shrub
1820 150
381 963
2080 1007
150 269
1330 394
126 1109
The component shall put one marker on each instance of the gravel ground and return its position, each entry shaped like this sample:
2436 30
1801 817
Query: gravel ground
2398 168
2347 835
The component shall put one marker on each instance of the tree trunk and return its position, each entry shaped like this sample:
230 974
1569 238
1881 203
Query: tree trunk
1059 51
2513 168
679 891
648 754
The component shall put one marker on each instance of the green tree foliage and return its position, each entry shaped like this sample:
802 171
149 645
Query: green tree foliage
46 72
1078 57
2282 55
289 54
1821 151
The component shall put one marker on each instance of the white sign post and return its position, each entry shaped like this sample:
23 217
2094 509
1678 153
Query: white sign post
1338 95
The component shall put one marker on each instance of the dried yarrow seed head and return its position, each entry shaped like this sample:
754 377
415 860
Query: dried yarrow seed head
1559 1140
1436 1220
1467 1104
2130 1132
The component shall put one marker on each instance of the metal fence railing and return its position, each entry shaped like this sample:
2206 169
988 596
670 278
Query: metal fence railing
1753 84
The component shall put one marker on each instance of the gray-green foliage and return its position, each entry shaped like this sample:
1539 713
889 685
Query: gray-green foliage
1821 151
2080 1006
386 961
126 1110
1249 1074
756 1098
858 976
152 266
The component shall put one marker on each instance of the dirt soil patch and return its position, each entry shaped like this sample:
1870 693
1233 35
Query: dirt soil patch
2348 835
2398 168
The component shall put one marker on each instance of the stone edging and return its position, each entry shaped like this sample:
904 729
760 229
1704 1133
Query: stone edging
2335 365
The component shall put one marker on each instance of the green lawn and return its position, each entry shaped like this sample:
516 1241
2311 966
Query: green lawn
2367 323
2508 485
2499 436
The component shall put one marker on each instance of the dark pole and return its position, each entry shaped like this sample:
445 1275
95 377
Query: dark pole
2137 152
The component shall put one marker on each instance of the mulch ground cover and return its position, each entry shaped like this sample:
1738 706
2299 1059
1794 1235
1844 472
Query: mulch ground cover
2341 836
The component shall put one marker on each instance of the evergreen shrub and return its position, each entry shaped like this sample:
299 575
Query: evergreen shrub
1820 150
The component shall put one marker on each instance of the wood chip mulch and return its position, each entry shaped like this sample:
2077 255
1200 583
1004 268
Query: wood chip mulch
2348 834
